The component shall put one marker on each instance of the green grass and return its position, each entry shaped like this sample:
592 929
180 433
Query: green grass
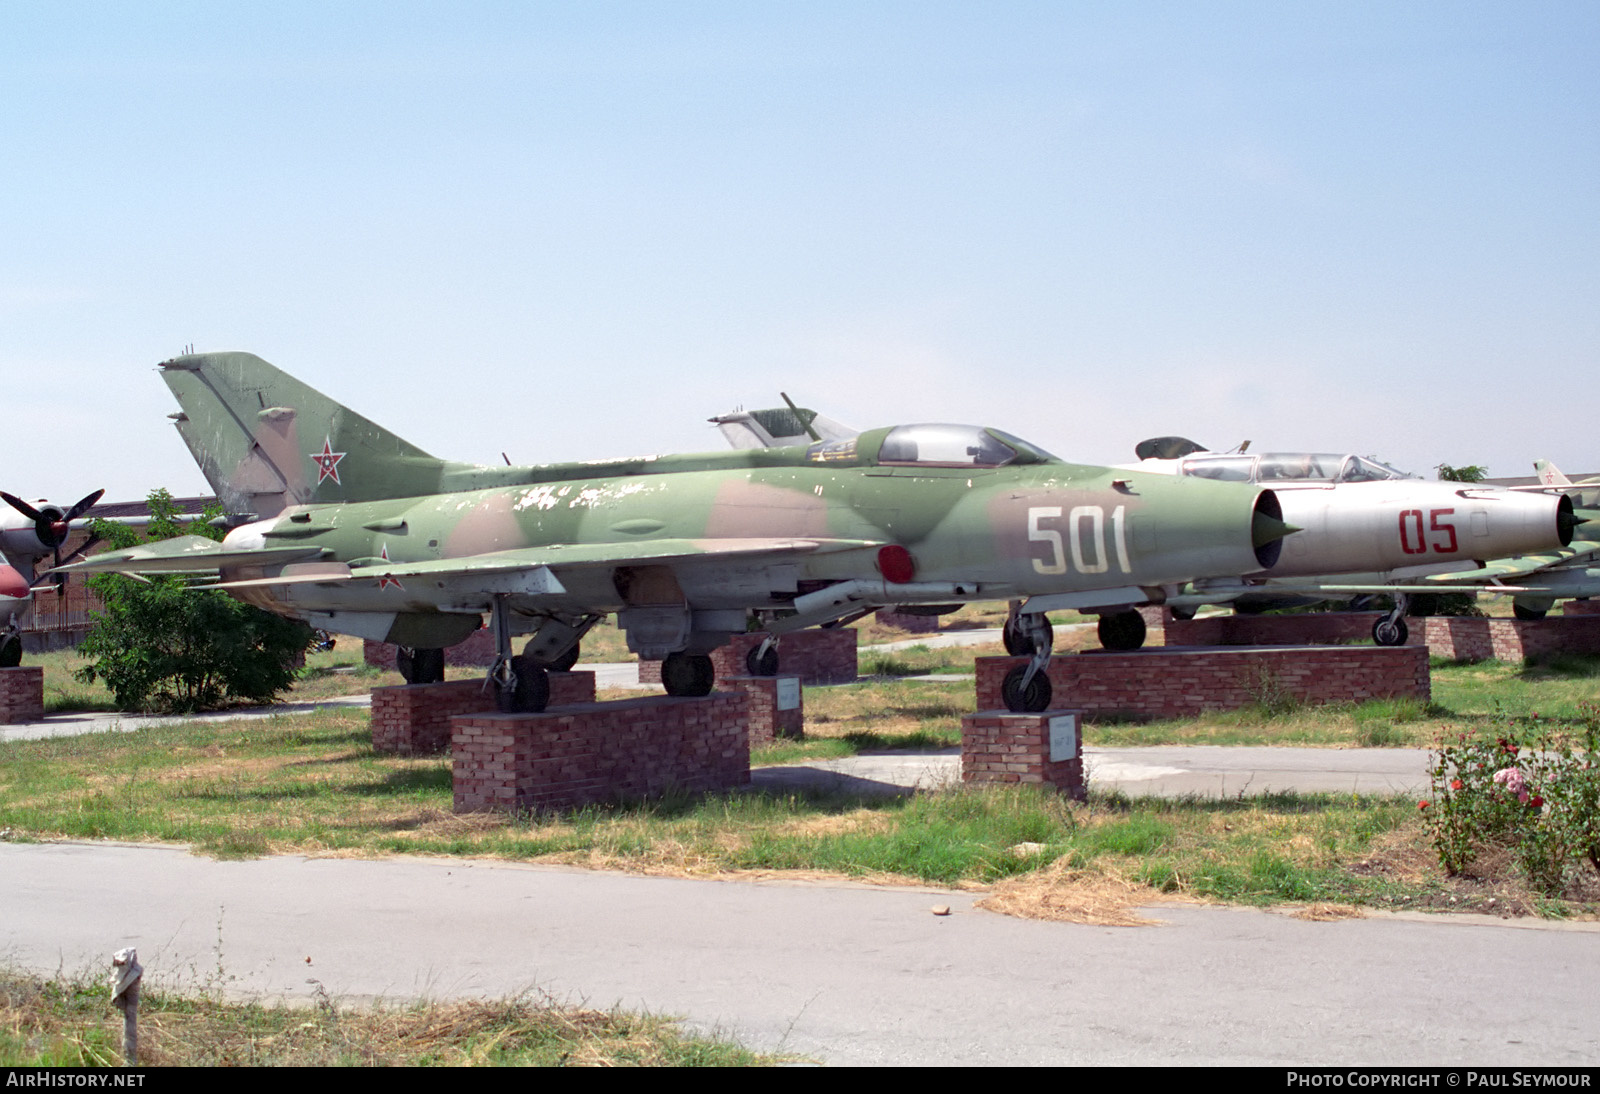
67 1022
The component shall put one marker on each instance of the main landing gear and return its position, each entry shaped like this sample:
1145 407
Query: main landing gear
688 675
1122 630
1391 630
1026 688
420 666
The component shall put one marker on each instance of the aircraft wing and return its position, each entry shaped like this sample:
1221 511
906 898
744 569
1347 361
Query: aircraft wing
553 557
184 555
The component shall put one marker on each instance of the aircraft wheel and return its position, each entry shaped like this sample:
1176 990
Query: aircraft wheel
1122 630
1017 641
531 693
1030 700
1385 633
402 664
10 652
1184 614
427 666
765 665
687 674
1529 614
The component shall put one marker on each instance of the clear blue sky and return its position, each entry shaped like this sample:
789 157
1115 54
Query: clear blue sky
568 231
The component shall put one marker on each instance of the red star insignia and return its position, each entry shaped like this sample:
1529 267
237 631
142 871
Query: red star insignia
327 461
385 582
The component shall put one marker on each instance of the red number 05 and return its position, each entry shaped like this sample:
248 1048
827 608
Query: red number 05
1411 532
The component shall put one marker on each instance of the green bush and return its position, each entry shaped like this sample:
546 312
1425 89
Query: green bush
1535 793
160 645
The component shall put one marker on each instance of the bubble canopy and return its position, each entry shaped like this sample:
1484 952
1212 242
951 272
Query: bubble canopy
945 445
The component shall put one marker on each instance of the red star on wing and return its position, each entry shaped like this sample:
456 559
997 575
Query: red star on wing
327 462
385 582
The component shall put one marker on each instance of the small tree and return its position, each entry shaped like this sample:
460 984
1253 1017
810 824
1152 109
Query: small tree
159 644
1466 473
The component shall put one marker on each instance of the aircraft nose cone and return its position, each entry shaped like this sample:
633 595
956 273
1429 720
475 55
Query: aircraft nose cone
12 583
1264 529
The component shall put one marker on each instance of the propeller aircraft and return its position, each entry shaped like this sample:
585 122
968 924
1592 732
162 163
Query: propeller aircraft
352 529
29 534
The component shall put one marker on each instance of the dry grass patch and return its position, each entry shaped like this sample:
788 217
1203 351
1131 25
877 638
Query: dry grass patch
1072 894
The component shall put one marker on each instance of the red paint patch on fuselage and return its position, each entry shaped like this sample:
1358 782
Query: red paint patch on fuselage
12 583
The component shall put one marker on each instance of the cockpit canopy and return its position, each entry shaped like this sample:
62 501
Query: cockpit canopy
1279 467
932 445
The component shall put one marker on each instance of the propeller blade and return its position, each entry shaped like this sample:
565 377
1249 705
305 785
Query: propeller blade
77 510
21 506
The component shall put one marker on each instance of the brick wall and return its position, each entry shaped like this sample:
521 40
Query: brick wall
1581 607
415 718
1316 628
21 694
596 752
777 707
1000 747
1463 639
817 656
1176 682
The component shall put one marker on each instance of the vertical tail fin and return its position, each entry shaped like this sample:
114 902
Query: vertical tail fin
266 441
1550 474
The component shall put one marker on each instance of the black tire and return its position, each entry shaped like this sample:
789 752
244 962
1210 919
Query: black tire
688 675
1385 633
765 665
1017 642
565 662
1183 615
1122 631
427 665
532 692
403 665
1030 700
10 652
1529 614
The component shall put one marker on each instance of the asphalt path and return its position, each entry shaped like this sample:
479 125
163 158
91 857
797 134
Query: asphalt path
837 973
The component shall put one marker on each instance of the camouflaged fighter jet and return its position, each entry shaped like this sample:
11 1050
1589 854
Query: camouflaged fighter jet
1364 528
353 530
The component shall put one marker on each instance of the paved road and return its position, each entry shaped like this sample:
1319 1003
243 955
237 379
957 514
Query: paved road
840 973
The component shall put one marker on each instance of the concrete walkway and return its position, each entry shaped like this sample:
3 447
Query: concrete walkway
839 973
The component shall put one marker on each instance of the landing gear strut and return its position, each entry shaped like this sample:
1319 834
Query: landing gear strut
520 683
1026 688
762 660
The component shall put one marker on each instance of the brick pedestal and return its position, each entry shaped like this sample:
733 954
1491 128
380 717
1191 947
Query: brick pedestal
817 656
597 752
1465 639
1000 747
1311 629
21 694
1178 682
1580 607
415 718
777 708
